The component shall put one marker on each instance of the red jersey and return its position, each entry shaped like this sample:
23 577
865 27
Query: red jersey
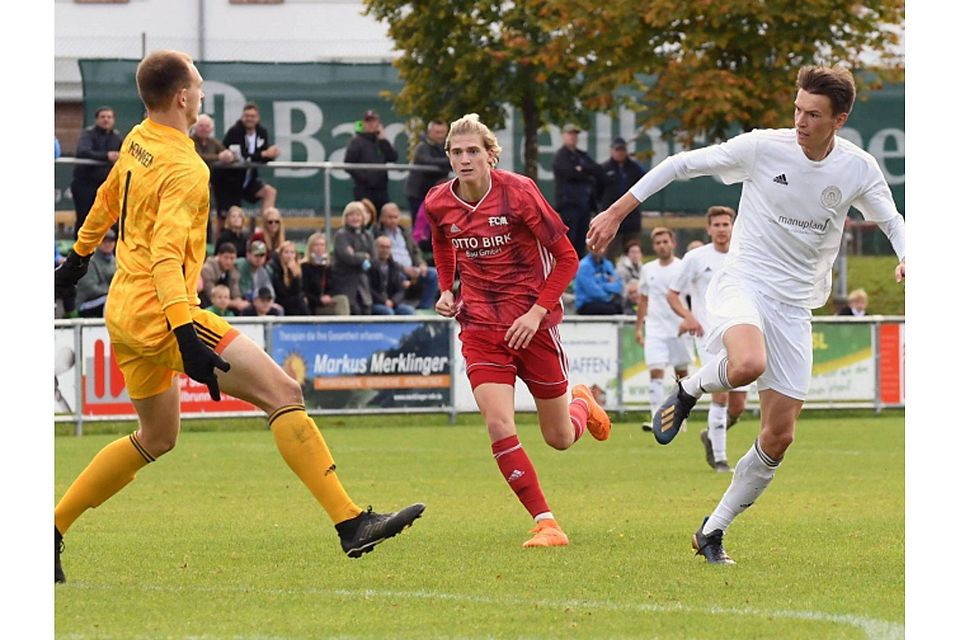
505 247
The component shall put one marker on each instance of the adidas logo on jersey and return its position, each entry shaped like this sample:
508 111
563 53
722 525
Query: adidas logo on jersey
516 475
781 179
454 228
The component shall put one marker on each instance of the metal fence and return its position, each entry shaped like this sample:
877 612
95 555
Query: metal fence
375 365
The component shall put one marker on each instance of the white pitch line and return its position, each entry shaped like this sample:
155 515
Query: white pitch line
873 629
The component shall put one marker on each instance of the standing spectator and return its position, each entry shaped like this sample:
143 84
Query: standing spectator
220 301
212 151
620 173
423 284
597 287
856 304
98 142
630 269
576 175
317 280
221 269
248 140
273 234
234 231
370 146
287 280
352 246
429 151
263 304
253 271
387 282
93 286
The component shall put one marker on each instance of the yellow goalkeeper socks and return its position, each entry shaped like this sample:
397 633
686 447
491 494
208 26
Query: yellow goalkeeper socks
113 468
306 453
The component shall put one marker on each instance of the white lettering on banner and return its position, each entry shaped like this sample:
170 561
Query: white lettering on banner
232 100
283 124
877 147
407 363
336 365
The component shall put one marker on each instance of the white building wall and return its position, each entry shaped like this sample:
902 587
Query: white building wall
293 31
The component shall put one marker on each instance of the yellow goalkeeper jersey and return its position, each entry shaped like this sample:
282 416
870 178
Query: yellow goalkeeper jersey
158 192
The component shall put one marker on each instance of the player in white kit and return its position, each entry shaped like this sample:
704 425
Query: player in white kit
699 266
657 324
798 185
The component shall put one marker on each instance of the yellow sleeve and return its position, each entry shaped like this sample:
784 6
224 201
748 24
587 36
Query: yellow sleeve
103 215
175 216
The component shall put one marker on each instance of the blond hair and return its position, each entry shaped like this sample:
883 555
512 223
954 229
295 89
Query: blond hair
352 206
719 210
659 231
857 294
470 124
291 270
273 239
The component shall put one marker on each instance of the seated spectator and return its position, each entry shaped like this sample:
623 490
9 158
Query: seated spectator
254 274
352 246
387 282
234 231
317 280
248 140
597 287
423 283
221 269
263 304
220 301
629 267
93 286
288 281
273 235
856 304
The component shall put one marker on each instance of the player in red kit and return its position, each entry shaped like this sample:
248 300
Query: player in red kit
515 261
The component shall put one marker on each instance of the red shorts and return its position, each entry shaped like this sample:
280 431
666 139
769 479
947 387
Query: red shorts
542 365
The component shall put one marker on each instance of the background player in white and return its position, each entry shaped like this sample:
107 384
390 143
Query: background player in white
798 185
698 268
657 324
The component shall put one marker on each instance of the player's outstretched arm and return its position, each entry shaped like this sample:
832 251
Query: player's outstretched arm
604 225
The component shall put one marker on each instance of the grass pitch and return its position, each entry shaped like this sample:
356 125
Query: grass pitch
218 539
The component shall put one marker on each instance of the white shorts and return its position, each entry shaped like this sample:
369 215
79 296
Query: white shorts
706 356
787 332
660 352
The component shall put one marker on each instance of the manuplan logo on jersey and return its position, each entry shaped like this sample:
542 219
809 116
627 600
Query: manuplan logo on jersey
803 225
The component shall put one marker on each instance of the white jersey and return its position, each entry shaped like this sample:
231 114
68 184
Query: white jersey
655 280
792 209
698 268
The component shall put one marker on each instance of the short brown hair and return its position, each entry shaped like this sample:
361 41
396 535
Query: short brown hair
161 75
835 82
717 211
659 231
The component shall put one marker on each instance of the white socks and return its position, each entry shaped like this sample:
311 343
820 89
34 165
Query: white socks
753 473
710 378
717 430
656 395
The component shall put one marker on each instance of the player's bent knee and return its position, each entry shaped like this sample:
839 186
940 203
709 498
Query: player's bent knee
499 428
157 445
745 369
559 441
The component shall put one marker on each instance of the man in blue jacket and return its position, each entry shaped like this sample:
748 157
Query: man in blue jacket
597 288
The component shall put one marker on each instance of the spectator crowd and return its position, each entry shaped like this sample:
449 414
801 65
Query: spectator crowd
372 264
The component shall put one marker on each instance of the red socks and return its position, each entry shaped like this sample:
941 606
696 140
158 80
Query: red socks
578 416
518 471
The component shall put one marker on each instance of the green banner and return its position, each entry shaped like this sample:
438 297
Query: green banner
310 110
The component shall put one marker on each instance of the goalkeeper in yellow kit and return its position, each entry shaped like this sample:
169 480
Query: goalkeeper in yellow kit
157 193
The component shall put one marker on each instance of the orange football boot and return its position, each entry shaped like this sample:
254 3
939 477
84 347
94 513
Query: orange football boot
547 533
598 422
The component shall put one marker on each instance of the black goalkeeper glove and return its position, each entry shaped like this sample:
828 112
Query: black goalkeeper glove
68 274
199 360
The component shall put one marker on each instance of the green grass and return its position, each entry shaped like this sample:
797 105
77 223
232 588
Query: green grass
873 274
219 540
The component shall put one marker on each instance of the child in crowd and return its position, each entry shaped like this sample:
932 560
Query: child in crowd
219 299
